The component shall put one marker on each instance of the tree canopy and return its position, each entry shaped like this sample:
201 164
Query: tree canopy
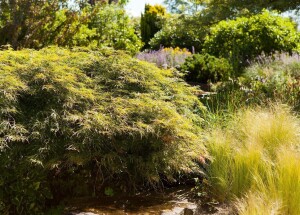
217 10
231 6
36 24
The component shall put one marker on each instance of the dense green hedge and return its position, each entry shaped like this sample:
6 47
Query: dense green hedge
245 38
202 68
182 31
72 121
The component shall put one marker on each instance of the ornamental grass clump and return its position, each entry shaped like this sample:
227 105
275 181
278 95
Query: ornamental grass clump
288 181
73 121
279 191
255 161
258 204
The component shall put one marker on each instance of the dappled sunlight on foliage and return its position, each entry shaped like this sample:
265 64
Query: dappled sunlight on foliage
96 104
243 39
26 24
88 117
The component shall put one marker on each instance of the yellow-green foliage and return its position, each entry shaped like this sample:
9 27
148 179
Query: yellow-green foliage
151 22
256 159
100 115
258 204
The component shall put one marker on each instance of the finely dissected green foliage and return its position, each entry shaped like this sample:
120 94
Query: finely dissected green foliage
243 39
256 159
88 117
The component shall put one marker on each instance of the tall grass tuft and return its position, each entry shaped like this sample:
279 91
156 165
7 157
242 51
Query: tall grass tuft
279 192
258 204
219 146
288 181
267 129
255 161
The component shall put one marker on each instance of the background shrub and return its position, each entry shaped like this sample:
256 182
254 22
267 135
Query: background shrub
166 57
243 39
113 28
202 68
183 31
274 79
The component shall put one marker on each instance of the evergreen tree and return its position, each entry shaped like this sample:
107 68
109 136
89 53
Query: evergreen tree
150 22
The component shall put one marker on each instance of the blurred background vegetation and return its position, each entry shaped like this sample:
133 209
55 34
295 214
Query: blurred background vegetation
94 101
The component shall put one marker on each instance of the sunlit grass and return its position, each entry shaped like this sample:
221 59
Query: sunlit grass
258 204
219 146
288 181
255 162
268 129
